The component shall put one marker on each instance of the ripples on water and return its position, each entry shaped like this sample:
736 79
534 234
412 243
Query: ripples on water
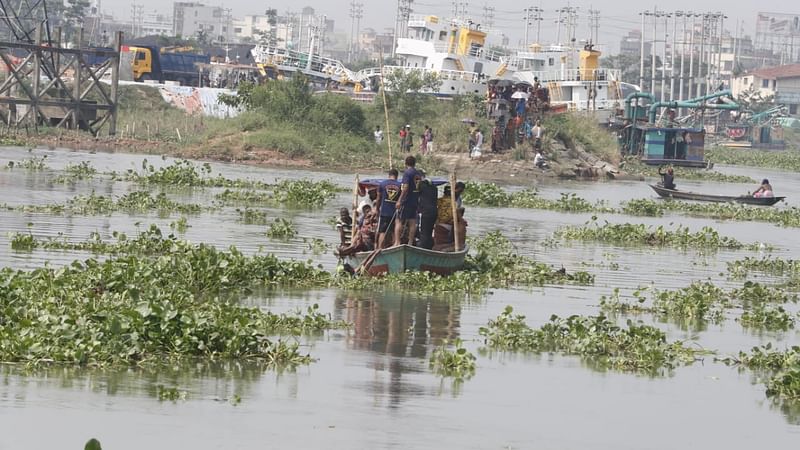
371 386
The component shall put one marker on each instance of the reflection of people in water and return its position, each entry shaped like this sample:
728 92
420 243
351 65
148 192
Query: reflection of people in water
399 326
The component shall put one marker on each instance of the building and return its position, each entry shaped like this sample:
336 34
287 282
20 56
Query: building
191 19
372 44
632 44
782 82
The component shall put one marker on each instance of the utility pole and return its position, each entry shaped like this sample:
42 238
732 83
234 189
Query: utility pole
656 14
594 25
401 22
691 56
359 16
460 10
356 13
641 51
488 16
664 56
672 57
682 80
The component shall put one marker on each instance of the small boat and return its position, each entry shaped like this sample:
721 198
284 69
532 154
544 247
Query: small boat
408 258
686 195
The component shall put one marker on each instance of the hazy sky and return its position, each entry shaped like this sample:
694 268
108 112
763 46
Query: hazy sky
616 17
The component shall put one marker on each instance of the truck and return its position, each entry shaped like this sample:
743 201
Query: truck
154 63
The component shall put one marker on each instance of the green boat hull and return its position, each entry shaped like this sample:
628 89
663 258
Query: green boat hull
415 259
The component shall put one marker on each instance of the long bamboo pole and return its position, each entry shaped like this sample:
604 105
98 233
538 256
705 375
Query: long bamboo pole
386 111
355 211
456 236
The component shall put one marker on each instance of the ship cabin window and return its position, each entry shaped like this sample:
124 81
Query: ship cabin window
551 61
442 35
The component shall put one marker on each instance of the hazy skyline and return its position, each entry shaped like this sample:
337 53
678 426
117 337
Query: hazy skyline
616 18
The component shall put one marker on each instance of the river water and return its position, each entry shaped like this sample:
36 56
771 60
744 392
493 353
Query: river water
370 386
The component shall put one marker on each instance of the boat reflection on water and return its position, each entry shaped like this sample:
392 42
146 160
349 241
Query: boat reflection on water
401 329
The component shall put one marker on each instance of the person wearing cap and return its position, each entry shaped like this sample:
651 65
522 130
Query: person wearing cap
765 190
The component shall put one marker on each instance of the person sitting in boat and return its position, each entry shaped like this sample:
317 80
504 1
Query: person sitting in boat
764 191
667 178
444 242
365 237
344 225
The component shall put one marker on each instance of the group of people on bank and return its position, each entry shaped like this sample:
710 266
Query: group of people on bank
408 210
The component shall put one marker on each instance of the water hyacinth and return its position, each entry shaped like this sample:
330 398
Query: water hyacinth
641 234
183 173
787 160
787 217
458 363
782 369
597 340
132 309
486 194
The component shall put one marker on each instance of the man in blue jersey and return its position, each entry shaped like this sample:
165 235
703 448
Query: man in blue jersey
388 194
408 202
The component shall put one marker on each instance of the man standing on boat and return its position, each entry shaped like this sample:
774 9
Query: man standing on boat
388 194
428 196
408 202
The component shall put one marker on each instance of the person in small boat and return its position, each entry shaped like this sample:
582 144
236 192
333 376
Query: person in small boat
365 237
371 199
408 202
445 242
344 225
388 193
428 194
667 178
765 190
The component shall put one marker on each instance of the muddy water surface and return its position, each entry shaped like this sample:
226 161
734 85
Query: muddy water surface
371 386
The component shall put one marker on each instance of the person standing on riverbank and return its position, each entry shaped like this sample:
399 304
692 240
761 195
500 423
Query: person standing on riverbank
378 135
408 203
476 151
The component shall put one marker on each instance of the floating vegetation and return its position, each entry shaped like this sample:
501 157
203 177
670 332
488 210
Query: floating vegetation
149 242
597 340
282 228
183 173
180 225
249 216
316 246
787 217
93 204
288 193
767 317
641 234
495 264
781 367
458 363
786 160
765 265
76 172
32 164
486 194
696 303
635 166
135 309
172 394
304 193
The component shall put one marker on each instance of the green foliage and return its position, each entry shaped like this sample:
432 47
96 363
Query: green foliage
782 368
282 228
600 342
77 172
765 265
183 173
134 309
405 93
633 165
766 317
787 217
289 193
93 204
252 216
641 234
697 303
458 363
173 394
92 444
32 164
489 194
786 160
573 129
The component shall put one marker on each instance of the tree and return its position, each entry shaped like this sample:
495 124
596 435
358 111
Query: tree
754 100
74 15
408 92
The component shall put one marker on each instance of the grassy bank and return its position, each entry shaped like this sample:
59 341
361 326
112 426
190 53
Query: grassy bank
285 123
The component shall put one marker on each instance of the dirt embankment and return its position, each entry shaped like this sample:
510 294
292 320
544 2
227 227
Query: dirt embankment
505 167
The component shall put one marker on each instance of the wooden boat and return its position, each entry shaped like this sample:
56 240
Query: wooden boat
408 258
686 195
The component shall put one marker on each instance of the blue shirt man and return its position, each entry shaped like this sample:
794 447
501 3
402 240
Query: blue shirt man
409 199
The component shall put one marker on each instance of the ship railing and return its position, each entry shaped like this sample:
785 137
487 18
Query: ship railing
545 76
